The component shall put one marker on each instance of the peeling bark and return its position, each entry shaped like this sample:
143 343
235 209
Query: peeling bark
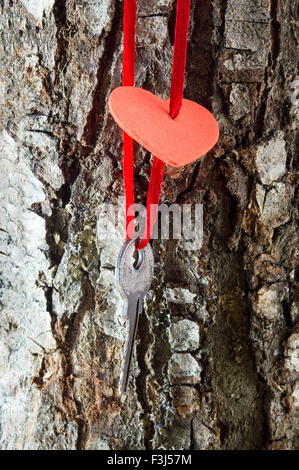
216 362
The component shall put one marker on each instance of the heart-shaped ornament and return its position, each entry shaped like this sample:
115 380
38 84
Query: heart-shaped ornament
145 118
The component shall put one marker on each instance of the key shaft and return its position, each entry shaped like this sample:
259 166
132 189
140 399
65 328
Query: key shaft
132 324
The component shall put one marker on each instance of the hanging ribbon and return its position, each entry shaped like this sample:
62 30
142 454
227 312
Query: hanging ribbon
176 96
179 57
128 80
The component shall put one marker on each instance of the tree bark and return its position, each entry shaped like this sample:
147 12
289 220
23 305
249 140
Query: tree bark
231 384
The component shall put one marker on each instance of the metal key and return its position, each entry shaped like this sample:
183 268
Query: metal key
134 280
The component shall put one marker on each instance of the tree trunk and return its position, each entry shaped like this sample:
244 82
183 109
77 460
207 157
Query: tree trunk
231 383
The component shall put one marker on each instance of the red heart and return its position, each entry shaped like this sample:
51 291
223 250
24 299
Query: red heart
145 117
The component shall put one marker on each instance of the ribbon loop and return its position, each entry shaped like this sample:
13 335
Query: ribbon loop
176 96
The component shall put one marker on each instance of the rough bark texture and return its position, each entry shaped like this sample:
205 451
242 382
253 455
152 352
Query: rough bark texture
231 383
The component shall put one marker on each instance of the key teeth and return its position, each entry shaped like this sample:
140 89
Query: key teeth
124 310
122 388
122 391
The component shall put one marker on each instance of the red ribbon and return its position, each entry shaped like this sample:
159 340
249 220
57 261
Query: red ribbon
128 80
179 56
176 96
